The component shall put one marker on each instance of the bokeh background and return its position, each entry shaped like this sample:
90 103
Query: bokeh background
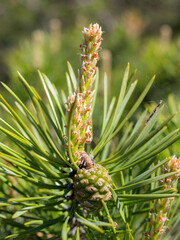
44 34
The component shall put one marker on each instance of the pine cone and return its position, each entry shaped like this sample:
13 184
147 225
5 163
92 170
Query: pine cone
91 186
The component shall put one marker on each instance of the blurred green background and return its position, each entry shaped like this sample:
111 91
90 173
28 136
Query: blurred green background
42 34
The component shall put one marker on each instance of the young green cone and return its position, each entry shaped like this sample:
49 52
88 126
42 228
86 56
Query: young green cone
91 186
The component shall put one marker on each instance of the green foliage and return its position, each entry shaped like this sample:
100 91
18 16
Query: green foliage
36 194
172 105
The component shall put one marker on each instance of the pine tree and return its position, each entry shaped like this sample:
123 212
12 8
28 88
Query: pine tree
55 185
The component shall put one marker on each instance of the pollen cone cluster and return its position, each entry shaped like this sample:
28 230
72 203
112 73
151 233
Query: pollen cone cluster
81 100
158 215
